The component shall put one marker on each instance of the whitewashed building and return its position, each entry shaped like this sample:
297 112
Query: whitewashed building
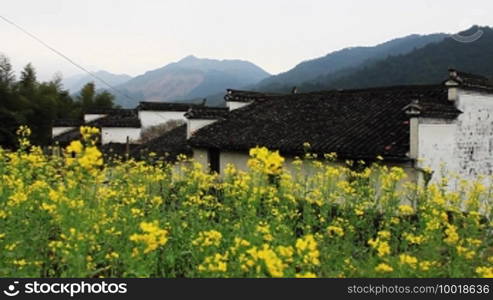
156 113
443 126
61 126
116 126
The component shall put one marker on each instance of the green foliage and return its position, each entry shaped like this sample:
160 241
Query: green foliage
72 215
36 104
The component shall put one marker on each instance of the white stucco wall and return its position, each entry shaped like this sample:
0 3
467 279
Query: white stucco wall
464 146
240 159
236 104
92 117
200 156
195 124
435 139
119 135
152 118
59 130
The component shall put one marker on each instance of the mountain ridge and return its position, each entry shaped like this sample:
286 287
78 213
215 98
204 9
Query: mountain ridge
190 78
344 59
426 65
76 82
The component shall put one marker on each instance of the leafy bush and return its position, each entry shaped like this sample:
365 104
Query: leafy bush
76 216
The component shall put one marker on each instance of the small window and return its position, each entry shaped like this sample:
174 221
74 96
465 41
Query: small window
214 163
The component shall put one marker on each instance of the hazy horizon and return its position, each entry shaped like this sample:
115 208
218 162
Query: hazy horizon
132 37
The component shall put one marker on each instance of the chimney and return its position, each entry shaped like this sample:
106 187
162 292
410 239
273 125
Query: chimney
413 111
453 84
237 99
452 73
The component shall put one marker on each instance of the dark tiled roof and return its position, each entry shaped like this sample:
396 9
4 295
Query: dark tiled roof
116 121
68 136
471 81
245 96
166 106
169 145
122 121
353 123
431 109
67 122
111 111
207 113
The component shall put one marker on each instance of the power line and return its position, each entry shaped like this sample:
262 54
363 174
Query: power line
65 57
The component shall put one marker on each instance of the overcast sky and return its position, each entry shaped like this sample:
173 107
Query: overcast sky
133 36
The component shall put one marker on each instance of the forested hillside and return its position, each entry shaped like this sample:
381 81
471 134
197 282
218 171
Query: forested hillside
422 66
26 101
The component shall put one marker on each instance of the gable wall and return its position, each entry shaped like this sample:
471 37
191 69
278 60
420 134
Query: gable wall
463 146
150 118
55 131
91 117
119 134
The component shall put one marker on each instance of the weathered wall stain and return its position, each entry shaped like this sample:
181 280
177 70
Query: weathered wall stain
463 147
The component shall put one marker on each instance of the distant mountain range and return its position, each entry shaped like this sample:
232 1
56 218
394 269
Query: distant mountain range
75 83
189 79
425 65
345 59
414 59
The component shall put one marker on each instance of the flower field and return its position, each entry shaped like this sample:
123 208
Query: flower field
74 215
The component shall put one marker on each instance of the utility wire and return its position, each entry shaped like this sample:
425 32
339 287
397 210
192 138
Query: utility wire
66 57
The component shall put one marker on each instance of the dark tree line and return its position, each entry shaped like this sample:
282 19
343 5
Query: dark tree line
26 101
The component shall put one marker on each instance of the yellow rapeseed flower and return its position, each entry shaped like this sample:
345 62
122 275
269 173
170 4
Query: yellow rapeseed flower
384 268
408 260
335 231
451 235
215 263
306 275
485 272
153 236
406 210
265 161
208 238
307 248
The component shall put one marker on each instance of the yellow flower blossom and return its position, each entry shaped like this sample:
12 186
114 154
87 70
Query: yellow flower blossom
413 239
153 236
406 210
75 147
485 272
335 231
451 235
265 161
408 260
307 248
384 268
306 275
208 238
465 252
215 263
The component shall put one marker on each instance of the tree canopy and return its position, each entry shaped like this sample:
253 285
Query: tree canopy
27 101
